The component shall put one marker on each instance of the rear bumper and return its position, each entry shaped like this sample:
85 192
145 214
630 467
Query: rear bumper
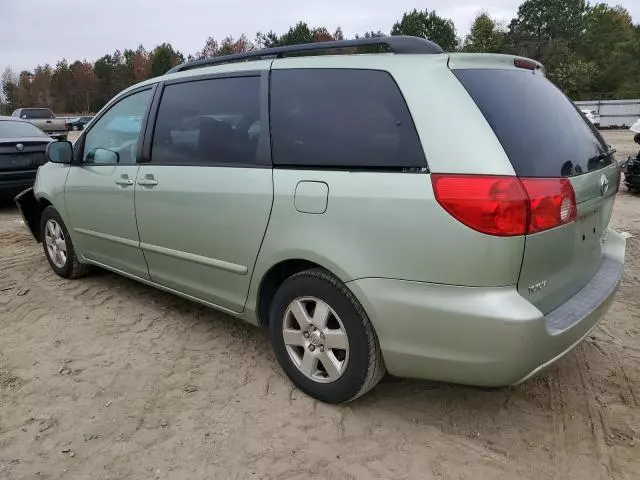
11 183
482 336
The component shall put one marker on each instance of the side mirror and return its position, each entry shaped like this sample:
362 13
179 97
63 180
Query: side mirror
60 152
102 156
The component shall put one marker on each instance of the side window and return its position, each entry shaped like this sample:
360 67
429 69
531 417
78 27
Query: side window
208 122
341 118
114 137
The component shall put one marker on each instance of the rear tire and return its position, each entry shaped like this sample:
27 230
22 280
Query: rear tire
57 246
344 341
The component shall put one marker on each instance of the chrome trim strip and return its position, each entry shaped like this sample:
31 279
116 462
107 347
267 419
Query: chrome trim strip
191 257
106 236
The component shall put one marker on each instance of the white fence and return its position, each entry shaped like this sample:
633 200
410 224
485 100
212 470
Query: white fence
614 113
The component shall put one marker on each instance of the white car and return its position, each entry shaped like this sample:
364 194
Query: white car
592 116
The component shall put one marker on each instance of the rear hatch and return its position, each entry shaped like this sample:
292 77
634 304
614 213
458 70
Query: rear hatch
546 137
19 154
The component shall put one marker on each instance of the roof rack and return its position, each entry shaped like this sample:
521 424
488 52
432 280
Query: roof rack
397 44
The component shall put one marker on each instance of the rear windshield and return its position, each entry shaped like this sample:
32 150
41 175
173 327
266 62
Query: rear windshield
541 130
36 113
9 129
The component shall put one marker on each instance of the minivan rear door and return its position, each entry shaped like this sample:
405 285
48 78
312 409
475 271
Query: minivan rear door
546 136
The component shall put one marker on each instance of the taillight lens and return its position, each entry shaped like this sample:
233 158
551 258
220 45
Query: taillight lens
552 202
506 206
491 205
525 63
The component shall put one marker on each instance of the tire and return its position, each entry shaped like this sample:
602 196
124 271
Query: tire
353 371
71 266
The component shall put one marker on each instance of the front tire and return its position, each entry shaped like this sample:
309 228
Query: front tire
57 246
323 339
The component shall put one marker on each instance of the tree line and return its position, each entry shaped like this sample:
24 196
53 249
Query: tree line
589 50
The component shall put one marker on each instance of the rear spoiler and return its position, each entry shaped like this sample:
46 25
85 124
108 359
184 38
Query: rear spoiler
492 60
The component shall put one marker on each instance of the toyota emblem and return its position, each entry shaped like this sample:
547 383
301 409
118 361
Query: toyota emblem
604 184
19 147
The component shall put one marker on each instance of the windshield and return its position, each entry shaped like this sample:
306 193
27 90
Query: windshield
11 129
540 129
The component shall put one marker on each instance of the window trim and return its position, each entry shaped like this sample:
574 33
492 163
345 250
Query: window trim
78 151
356 168
263 151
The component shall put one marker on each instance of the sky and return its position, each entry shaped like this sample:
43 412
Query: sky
36 32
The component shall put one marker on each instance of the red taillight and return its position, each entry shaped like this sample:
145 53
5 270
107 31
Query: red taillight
524 63
506 206
552 202
491 205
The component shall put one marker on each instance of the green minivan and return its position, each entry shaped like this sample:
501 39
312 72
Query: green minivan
428 214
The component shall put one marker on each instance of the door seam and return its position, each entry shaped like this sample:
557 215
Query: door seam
273 194
135 216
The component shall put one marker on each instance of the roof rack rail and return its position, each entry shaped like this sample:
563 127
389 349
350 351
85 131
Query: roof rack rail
397 44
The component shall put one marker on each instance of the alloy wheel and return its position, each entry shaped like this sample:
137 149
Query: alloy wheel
315 339
56 244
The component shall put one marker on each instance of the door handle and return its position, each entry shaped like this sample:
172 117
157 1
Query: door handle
124 182
147 182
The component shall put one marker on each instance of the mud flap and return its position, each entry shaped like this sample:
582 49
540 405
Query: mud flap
31 211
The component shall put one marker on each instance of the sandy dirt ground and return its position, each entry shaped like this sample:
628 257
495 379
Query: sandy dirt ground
104 378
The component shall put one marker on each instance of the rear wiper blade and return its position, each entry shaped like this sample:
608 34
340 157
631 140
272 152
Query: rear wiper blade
602 156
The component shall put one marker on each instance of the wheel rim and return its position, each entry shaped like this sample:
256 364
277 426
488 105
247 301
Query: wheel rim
56 244
315 339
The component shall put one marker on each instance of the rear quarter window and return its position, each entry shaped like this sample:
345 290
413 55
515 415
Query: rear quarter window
540 129
341 118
